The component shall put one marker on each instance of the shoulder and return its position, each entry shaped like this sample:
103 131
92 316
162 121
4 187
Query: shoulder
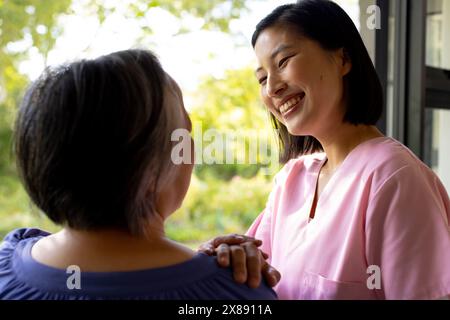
386 153
13 238
402 184
11 250
386 159
16 238
221 284
298 166
199 278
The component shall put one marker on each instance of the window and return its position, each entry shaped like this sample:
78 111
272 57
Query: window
437 108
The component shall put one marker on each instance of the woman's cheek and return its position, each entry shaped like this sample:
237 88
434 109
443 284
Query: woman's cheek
280 119
268 104
277 115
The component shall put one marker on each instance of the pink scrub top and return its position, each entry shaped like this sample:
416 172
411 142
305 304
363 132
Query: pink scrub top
380 231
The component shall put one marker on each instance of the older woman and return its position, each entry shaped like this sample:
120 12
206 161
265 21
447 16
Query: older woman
94 151
353 214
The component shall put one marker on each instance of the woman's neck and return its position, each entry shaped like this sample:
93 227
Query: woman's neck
110 250
338 143
110 237
115 237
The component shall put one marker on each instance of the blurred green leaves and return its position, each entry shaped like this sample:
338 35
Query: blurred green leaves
216 14
231 105
213 207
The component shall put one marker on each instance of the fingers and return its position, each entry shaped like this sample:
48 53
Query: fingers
234 239
223 255
239 264
264 255
246 259
207 248
254 263
271 274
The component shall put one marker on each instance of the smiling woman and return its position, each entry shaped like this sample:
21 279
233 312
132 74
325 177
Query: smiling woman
325 57
348 199
319 83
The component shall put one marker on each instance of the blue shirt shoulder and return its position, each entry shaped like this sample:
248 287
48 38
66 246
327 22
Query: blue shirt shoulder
22 277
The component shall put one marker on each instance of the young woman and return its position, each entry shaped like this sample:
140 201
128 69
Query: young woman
93 146
353 214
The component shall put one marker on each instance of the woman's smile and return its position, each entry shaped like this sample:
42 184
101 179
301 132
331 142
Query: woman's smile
293 104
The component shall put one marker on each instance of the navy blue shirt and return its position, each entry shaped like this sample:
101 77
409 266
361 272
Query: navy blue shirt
22 277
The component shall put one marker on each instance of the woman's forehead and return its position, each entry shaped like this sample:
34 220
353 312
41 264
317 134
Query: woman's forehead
275 39
281 31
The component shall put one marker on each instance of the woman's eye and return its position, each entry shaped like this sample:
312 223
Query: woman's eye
283 61
262 80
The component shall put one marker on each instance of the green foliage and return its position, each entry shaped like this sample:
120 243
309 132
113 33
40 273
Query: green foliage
16 210
214 207
216 14
232 107
231 102
33 21
33 17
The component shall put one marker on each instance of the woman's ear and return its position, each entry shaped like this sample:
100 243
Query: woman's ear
346 61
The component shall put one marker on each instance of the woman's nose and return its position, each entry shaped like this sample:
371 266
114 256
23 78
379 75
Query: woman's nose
275 86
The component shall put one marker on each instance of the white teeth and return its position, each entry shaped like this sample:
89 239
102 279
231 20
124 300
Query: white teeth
288 104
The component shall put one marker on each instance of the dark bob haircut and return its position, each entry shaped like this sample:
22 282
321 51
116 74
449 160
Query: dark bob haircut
92 140
326 23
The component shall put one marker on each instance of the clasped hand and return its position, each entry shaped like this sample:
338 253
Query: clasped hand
247 261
